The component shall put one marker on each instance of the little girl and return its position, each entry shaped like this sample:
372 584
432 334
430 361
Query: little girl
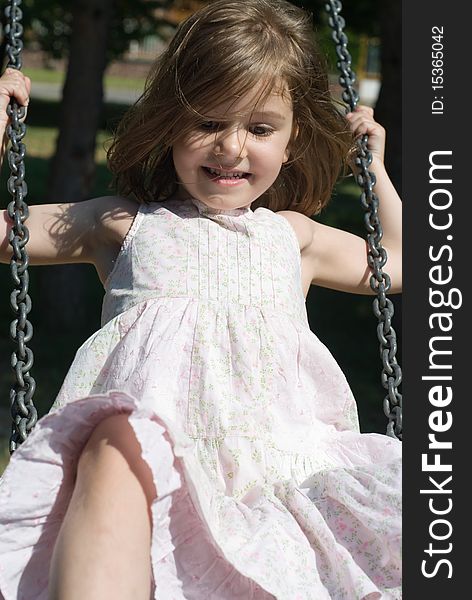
205 443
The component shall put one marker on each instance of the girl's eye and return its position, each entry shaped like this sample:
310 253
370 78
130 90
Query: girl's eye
208 125
257 130
263 131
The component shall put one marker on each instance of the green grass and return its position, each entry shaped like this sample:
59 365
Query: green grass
41 142
57 77
44 75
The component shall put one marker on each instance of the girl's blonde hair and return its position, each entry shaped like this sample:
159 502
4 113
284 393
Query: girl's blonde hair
224 51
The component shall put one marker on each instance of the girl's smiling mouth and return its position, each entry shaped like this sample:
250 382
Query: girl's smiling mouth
222 177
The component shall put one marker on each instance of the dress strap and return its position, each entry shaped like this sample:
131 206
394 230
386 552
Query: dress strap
137 220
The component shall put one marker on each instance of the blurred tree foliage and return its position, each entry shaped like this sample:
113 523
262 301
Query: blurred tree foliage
49 22
362 18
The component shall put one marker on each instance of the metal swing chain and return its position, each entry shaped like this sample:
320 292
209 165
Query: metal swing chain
377 257
23 411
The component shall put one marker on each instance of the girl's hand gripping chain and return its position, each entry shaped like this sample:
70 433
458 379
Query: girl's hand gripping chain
12 84
362 122
338 258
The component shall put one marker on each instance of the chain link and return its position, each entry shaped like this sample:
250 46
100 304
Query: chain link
23 412
377 257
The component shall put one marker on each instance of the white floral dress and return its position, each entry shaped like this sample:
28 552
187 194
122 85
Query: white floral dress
267 488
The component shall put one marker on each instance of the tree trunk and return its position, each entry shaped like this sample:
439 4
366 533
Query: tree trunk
73 166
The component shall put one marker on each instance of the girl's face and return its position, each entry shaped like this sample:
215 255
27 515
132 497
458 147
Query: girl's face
253 148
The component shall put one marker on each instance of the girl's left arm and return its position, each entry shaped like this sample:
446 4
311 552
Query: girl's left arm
390 206
338 259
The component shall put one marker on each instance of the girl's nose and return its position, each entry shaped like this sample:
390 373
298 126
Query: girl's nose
231 144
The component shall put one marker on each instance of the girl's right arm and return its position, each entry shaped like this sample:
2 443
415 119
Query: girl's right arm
87 231
58 233
90 231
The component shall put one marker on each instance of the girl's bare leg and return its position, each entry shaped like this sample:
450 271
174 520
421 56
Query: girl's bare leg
103 547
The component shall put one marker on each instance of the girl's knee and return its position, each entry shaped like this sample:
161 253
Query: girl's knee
113 431
109 444
113 452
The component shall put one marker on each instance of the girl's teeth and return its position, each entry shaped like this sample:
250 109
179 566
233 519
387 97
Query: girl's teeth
226 175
